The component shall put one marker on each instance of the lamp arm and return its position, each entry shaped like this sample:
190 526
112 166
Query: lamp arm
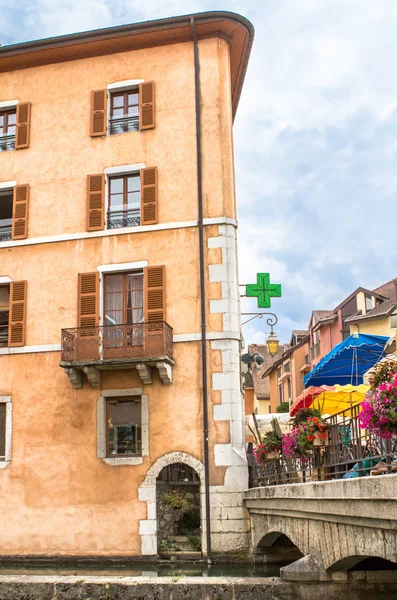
271 321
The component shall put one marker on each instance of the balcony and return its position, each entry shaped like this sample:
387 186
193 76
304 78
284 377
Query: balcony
141 346
7 142
5 232
123 124
123 218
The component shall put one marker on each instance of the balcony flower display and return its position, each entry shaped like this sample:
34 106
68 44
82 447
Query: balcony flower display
379 409
268 449
309 430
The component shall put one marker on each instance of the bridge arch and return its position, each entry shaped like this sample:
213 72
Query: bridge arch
363 563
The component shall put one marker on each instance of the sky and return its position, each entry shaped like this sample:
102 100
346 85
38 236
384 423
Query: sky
316 156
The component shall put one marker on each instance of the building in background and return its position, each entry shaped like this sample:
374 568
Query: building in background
379 317
285 375
257 387
104 263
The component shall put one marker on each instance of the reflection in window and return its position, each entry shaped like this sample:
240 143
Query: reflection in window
4 314
124 201
6 198
124 111
123 418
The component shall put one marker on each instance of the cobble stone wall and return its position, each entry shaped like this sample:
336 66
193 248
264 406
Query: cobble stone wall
168 518
219 588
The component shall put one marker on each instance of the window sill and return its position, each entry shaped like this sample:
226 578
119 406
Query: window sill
4 463
120 461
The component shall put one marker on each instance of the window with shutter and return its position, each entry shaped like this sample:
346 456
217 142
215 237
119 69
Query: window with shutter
6 205
20 212
95 202
147 109
23 125
16 329
8 119
98 112
124 111
88 297
124 201
149 204
4 314
154 286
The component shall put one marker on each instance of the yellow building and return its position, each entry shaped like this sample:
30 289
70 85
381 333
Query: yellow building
117 250
286 374
376 315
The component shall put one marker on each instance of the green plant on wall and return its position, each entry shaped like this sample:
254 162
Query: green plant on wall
176 500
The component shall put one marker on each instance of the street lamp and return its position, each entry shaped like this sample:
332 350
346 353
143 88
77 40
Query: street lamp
272 341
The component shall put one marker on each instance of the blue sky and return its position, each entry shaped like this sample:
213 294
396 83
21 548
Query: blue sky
315 137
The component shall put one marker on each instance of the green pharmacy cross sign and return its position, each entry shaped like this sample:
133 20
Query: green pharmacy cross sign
263 290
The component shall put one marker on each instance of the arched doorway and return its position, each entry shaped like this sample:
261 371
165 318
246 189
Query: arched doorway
147 493
178 510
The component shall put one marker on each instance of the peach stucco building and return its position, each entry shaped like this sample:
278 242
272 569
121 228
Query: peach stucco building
118 229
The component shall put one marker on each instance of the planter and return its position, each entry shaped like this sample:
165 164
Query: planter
318 441
272 455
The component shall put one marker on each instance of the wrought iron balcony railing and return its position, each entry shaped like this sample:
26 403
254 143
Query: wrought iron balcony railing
349 451
123 218
123 124
86 345
7 142
5 233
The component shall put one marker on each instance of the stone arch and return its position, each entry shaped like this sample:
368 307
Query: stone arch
363 563
147 493
276 546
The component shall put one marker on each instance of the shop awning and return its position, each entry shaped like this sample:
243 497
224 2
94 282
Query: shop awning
330 399
348 361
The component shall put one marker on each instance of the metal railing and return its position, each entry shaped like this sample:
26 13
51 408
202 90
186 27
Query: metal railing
123 218
123 124
7 142
116 342
348 452
5 233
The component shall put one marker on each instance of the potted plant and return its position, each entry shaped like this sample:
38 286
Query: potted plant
268 449
379 409
308 431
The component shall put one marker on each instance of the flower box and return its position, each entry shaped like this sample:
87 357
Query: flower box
272 455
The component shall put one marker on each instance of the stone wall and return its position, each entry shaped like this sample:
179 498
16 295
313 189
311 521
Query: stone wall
168 518
203 588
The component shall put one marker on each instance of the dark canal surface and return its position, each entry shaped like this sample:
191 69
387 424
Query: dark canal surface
149 570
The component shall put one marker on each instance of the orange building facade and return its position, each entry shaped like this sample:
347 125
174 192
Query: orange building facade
101 359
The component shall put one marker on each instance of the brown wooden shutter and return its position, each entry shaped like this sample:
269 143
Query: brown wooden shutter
88 300
98 112
20 212
16 327
154 289
22 136
95 202
149 204
147 105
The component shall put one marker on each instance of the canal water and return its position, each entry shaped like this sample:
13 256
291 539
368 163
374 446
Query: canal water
149 570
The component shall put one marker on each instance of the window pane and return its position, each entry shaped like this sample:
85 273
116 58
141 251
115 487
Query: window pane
116 186
1 119
132 98
133 111
134 184
116 201
124 427
12 118
134 200
118 101
11 129
2 430
113 283
118 112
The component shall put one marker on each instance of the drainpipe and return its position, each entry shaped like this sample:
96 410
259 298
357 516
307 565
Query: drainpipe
202 291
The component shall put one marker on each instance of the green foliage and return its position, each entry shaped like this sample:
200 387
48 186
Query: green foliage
176 500
382 373
304 414
194 542
283 407
271 441
190 519
165 544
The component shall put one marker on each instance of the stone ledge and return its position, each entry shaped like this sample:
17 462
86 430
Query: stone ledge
167 588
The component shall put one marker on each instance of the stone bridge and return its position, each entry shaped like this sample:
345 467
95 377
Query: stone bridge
335 525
